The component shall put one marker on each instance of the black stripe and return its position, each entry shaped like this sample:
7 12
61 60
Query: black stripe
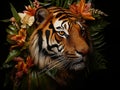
58 15
63 22
58 10
63 17
52 27
47 36
53 56
40 39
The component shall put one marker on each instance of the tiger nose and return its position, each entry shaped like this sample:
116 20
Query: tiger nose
78 46
70 52
82 49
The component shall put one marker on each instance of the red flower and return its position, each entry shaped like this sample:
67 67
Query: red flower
22 66
29 62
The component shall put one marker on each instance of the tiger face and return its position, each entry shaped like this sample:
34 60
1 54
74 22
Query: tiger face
59 41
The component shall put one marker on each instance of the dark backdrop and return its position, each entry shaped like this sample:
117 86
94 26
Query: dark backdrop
101 79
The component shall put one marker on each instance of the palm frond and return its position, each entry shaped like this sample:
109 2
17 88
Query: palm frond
96 29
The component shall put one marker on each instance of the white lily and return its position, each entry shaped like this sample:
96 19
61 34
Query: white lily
26 19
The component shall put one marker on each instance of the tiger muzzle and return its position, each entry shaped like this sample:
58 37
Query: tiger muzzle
75 62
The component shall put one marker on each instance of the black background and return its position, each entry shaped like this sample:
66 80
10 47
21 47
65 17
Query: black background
102 79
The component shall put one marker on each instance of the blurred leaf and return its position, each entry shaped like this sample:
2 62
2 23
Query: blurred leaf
5 20
11 55
34 81
10 41
6 66
65 5
11 30
7 82
25 47
31 3
12 27
60 3
96 29
97 62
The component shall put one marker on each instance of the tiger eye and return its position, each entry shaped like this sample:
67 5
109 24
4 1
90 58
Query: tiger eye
61 32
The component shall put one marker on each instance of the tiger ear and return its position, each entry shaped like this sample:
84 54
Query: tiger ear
40 15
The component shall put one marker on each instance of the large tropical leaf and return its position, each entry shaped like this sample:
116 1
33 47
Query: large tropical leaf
14 12
97 59
36 81
11 55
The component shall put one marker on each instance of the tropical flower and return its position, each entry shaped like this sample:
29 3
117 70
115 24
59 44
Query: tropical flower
19 38
22 66
30 10
26 19
82 9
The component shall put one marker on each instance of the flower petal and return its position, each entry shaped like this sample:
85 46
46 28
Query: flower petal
31 20
81 6
22 15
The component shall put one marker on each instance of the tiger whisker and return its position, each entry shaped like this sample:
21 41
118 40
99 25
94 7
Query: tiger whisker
56 63
67 64
54 55
51 65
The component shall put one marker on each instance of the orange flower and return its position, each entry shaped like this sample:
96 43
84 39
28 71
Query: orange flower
19 38
82 9
30 10
22 66
21 69
29 62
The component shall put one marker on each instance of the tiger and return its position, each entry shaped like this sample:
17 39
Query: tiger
60 40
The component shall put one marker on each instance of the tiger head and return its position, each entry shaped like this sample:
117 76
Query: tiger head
59 41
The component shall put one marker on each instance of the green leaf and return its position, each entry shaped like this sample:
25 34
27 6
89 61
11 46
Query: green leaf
57 3
34 81
41 81
31 3
96 61
100 61
65 4
14 12
11 30
5 20
11 55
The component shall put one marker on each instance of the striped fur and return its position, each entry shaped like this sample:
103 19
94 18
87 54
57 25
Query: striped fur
59 41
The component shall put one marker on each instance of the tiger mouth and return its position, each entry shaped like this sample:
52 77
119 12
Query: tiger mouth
77 65
68 62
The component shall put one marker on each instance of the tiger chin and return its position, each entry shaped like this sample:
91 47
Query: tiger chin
60 41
